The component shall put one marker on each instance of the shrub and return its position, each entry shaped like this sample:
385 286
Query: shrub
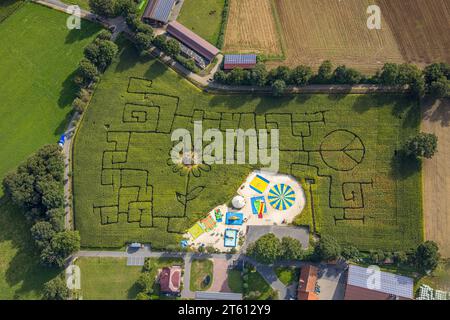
42 232
78 105
62 245
301 75
42 173
278 88
291 249
325 72
87 72
327 248
101 53
145 282
142 41
350 253
422 145
440 88
427 256
266 249
104 35
56 289
344 75
377 256
105 8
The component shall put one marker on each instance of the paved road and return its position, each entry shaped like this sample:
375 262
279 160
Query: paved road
67 151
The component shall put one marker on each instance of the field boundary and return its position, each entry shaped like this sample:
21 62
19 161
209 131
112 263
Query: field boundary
280 37
223 24
20 5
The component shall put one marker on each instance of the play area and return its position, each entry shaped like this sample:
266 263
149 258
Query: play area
263 199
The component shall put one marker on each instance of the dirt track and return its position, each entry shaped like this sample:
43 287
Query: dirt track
436 177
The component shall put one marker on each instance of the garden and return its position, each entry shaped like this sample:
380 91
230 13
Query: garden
201 274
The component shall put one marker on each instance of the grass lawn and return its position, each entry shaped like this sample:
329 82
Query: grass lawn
288 275
21 276
200 269
127 188
204 17
108 279
439 279
235 281
258 288
35 93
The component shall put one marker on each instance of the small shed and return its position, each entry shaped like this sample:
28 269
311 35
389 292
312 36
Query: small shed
243 61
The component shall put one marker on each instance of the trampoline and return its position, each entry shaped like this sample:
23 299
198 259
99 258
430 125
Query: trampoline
281 197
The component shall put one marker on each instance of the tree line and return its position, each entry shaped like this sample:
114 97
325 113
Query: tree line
434 79
98 55
268 249
37 187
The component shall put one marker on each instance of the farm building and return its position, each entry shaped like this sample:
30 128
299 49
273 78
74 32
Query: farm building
307 283
243 61
363 284
158 12
192 42
170 280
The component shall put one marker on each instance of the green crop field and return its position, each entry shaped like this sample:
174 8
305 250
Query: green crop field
38 56
126 188
204 17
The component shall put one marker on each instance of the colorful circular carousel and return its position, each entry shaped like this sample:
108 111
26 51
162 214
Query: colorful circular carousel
281 197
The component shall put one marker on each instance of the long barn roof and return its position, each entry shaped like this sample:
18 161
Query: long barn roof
389 283
192 40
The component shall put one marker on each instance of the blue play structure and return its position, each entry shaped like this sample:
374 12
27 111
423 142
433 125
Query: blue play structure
230 238
184 243
256 202
234 219
62 140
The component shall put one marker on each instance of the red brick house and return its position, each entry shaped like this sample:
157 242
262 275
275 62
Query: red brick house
170 280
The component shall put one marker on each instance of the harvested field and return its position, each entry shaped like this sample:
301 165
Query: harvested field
423 35
436 119
315 30
318 30
252 28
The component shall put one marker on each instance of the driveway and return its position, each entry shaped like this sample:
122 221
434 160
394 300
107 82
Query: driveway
256 232
331 281
220 276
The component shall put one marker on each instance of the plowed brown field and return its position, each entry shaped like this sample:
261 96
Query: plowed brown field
316 30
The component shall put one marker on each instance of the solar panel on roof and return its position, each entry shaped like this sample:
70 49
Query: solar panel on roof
389 283
240 59
162 10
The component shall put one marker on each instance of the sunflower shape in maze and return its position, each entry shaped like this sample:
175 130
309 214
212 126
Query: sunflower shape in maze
342 150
